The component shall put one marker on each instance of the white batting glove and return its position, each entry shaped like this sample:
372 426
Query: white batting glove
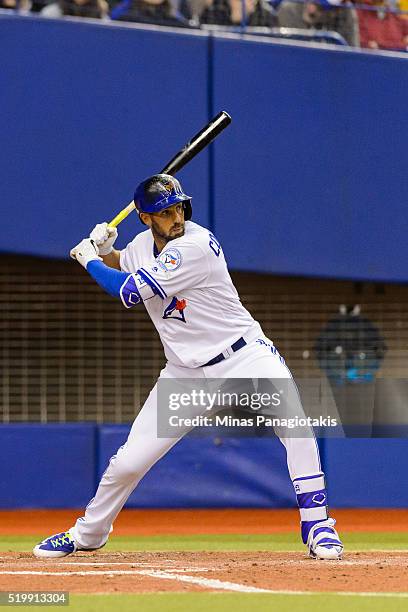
104 237
84 252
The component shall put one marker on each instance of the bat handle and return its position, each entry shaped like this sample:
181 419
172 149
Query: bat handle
122 215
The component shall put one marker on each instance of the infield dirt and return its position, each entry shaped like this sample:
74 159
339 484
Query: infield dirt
106 571
137 572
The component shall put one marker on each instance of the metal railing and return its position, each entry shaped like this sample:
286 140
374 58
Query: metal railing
312 35
329 24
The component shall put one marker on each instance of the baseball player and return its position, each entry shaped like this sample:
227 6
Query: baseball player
175 269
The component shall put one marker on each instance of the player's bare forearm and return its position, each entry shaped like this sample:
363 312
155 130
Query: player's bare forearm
112 259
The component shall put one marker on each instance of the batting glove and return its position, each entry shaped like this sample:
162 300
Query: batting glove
84 252
104 237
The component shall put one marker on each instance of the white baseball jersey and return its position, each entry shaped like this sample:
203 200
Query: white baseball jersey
196 308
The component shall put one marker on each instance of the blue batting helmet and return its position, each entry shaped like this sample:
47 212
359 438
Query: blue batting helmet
159 192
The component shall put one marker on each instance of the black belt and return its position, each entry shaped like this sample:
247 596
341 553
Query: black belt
234 347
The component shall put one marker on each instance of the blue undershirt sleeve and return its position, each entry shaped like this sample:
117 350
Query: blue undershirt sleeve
109 279
131 288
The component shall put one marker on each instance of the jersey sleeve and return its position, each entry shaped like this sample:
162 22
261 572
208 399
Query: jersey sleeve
176 269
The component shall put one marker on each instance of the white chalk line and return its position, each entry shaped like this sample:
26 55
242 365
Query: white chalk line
232 586
83 573
217 584
204 582
109 564
211 583
87 573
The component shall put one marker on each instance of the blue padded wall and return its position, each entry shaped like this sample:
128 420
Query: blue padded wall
366 473
57 466
88 111
311 178
47 466
201 472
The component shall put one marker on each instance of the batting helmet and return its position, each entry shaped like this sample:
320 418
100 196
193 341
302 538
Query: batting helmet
159 192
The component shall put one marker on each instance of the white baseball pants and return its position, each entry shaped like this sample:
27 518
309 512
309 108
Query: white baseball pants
143 448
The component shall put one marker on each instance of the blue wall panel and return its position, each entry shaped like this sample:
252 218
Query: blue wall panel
199 472
47 466
366 473
311 177
57 466
87 111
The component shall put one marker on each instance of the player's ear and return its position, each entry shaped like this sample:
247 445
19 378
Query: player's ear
146 219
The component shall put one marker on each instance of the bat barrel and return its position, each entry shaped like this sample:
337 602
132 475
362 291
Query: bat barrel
201 140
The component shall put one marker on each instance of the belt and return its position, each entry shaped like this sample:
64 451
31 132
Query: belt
225 354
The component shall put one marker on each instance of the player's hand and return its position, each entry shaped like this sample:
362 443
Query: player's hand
104 237
85 251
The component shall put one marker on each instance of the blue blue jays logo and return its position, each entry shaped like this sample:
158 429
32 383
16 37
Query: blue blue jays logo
175 310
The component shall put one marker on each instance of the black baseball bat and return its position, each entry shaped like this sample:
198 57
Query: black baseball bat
201 140
198 143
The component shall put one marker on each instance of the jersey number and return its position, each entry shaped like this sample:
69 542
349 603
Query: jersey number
214 245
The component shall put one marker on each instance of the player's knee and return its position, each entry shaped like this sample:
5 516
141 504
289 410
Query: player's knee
129 473
124 469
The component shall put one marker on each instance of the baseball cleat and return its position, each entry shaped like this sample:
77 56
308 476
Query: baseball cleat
324 541
58 545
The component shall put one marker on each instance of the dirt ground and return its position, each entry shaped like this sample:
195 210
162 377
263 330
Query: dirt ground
138 572
143 572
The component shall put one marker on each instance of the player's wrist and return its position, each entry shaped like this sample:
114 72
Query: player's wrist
86 260
105 250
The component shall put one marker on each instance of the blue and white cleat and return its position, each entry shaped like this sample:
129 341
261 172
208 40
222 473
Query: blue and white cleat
58 545
324 541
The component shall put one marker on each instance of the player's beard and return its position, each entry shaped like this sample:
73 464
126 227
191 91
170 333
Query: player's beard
176 231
